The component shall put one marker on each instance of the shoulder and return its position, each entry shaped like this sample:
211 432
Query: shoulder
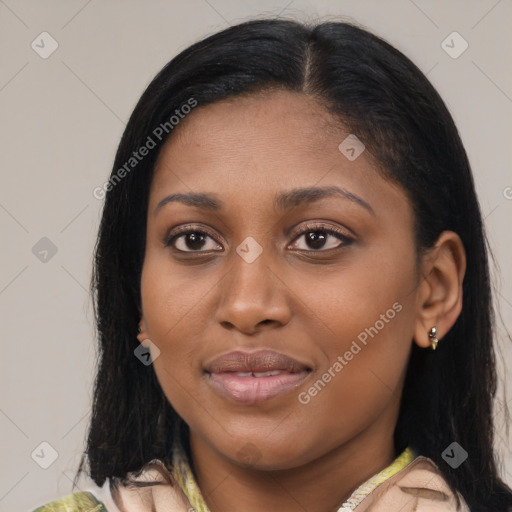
76 502
155 493
421 487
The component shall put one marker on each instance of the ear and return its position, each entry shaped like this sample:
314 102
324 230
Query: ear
440 291
142 336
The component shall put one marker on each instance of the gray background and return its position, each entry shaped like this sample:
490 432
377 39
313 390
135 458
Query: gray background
62 118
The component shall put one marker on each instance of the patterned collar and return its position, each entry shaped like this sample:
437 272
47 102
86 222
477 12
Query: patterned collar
182 472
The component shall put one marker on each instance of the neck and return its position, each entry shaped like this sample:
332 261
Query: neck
321 485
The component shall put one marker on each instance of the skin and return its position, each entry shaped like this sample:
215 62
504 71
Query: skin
308 302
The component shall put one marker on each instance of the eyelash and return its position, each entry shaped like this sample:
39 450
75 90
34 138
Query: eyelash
337 233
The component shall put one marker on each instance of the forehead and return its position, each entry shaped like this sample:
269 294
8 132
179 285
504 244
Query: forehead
247 148
282 127
272 109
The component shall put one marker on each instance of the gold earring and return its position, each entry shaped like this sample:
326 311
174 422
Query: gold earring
139 329
433 338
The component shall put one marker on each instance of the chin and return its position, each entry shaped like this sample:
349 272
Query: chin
264 455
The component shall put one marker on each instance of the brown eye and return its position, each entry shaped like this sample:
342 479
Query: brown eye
317 238
192 241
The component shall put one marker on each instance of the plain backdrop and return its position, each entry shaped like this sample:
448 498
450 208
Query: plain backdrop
62 115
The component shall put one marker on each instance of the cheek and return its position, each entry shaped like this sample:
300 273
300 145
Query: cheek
365 392
171 301
364 361
368 314
175 310
370 301
360 380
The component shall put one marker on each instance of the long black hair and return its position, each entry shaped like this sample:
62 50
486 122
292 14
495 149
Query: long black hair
377 93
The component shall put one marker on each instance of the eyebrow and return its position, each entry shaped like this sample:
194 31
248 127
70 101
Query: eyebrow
283 201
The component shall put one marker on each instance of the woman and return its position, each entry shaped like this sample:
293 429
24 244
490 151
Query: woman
291 288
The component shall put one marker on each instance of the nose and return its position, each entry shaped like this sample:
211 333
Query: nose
253 297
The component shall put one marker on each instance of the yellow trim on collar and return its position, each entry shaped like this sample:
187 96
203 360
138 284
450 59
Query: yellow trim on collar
185 478
403 460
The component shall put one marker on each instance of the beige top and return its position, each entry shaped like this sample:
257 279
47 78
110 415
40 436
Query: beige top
417 487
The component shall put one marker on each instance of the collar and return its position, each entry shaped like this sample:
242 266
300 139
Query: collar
182 472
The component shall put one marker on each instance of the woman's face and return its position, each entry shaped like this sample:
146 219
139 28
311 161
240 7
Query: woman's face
279 282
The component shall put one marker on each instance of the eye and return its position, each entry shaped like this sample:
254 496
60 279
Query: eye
192 240
318 237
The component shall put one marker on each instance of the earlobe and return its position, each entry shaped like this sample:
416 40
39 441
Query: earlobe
433 338
427 337
440 293
141 332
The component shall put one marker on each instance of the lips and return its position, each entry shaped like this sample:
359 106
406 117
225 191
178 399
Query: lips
253 377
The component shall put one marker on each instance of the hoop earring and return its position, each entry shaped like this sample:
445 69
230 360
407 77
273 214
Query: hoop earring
433 338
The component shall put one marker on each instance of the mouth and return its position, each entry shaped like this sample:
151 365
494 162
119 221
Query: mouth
254 377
